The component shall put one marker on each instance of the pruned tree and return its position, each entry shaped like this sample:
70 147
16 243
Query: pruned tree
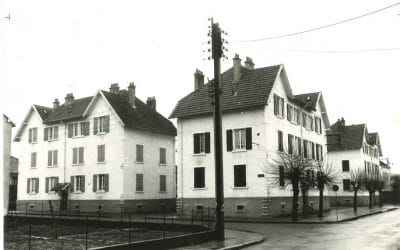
371 183
383 180
356 182
327 175
289 169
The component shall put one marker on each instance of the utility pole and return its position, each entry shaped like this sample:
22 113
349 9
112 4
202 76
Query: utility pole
217 53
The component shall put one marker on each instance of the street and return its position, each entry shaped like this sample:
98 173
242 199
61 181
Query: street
380 231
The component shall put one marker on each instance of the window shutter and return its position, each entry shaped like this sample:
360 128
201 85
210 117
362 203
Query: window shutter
305 148
94 183
71 185
280 141
82 183
313 150
196 143
106 186
37 185
86 130
33 160
30 136
49 158
55 157
47 185
55 132
229 140
275 105
45 134
81 156
281 176
95 123
70 130
107 124
283 108
74 156
290 144
207 135
249 142
28 185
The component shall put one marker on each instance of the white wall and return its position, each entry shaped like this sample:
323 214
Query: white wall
7 127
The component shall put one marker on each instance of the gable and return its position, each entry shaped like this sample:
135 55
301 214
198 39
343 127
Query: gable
32 117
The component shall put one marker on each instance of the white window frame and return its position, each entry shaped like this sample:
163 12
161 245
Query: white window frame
202 141
136 158
52 183
165 156
34 134
281 106
99 152
239 139
32 186
77 184
34 153
100 125
52 159
163 191
50 133
101 183
78 156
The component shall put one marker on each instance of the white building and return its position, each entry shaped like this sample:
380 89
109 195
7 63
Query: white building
99 152
351 148
260 116
7 127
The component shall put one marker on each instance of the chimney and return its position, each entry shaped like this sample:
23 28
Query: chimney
131 94
69 98
56 103
236 68
341 125
114 88
198 79
151 102
248 64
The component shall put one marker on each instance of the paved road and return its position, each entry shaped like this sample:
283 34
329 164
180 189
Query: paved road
381 231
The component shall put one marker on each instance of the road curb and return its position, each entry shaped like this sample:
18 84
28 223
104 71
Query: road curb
246 244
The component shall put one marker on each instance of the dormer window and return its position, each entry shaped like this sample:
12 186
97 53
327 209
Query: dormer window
101 125
50 133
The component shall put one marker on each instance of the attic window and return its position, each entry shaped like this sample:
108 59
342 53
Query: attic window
308 98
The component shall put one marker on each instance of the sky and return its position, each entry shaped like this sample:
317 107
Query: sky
51 48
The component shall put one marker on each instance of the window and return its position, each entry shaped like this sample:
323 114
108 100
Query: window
139 153
280 141
240 176
293 114
78 156
51 182
50 133
78 129
281 176
279 105
52 158
318 148
78 184
33 185
199 177
240 208
139 183
290 144
298 145
289 111
346 184
101 153
296 115
163 183
100 183
305 150
345 166
33 159
313 150
318 125
239 139
163 155
32 135
101 125
201 143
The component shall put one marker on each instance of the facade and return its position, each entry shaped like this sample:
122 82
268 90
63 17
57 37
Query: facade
260 117
351 148
99 153
7 127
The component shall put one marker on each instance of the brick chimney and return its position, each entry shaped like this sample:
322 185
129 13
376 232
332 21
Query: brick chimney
69 98
56 103
131 94
248 64
198 79
341 125
151 102
237 67
114 88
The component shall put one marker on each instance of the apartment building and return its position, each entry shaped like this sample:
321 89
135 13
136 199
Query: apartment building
7 128
105 152
260 117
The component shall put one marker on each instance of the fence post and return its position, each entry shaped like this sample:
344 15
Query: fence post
145 213
192 221
202 217
130 227
86 232
208 218
30 232
164 222
42 211
26 210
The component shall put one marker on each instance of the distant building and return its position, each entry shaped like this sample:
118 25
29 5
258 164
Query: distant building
101 152
13 185
352 147
260 117
7 127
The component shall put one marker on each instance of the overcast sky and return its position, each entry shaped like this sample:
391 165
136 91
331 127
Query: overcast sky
50 48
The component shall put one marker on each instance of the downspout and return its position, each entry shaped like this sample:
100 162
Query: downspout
65 150
181 149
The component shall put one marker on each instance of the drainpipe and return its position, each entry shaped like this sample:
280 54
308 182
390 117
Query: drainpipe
65 149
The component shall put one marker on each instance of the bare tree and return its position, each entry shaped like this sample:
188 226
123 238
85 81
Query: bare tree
289 169
383 180
327 175
371 183
356 182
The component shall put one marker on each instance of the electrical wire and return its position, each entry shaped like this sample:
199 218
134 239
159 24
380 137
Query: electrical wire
318 28
335 51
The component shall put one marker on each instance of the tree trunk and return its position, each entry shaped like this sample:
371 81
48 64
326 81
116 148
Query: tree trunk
380 198
305 198
295 200
355 200
321 202
370 200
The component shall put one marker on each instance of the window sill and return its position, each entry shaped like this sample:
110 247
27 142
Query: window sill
33 167
199 189
32 193
200 154
78 136
100 192
162 192
279 116
78 164
51 140
101 163
52 166
240 188
239 150
34 142
139 162
52 192
77 192
163 164
139 192
101 133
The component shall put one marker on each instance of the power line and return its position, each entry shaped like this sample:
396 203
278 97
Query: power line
335 51
318 28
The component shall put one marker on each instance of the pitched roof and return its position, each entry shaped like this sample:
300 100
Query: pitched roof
309 99
8 120
68 112
372 138
43 111
252 90
350 138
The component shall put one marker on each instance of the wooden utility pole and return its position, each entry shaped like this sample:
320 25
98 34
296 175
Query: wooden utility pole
216 42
